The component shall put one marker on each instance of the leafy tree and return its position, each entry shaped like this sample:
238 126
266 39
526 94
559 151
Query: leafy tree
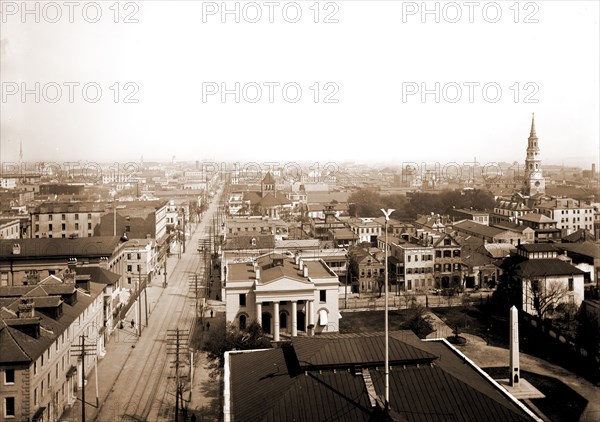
223 339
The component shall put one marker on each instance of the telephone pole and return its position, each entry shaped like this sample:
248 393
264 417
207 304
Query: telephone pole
83 349
177 341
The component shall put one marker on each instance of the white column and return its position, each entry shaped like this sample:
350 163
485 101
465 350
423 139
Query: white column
259 313
276 321
311 318
294 319
515 371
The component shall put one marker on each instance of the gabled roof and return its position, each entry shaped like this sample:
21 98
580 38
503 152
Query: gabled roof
11 351
270 200
481 229
579 236
536 218
98 274
591 249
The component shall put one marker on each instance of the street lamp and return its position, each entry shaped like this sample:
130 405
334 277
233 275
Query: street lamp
387 214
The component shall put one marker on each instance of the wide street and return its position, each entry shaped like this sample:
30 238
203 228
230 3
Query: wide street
136 378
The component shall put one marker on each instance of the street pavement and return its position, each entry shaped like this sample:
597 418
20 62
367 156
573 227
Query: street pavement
136 377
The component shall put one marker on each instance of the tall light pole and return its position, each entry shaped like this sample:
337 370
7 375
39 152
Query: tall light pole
387 214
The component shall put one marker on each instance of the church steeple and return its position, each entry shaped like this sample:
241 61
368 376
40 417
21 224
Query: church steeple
534 182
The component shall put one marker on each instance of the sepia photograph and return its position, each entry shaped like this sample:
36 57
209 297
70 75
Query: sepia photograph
304 210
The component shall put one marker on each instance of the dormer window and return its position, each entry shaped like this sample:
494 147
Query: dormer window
253 241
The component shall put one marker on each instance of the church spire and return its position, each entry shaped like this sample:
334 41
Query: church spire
532 133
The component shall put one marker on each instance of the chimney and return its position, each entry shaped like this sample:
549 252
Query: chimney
300 264
25 308
305 271
297 258
257 272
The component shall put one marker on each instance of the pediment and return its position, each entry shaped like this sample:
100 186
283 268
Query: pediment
284 284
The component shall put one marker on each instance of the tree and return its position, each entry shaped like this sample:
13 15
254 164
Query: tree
223 339
544 295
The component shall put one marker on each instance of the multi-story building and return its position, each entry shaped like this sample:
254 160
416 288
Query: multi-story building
542 279
508 211
544 227
570 214
10 228
42 328
283 294
367 229
367 268
256 225
448 268
480 217
488 234
412 264
65 219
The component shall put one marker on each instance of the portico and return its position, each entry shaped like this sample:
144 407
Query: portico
279 292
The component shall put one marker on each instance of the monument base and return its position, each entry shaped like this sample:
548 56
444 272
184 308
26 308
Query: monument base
524 390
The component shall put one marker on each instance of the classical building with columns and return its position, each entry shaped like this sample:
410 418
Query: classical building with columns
286 294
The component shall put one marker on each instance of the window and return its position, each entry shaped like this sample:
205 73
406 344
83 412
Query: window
50 228
139 268
129 268
535 285
76 226
242 299
9 407
571 287
89 217
322 296
50 217
63 216
89 226
139 256
76 216
35 397
128 256
9 376
438 254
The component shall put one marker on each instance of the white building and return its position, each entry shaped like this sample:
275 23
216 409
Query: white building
284 294
570 214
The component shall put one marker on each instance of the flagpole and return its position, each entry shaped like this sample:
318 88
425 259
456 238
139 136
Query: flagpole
387 214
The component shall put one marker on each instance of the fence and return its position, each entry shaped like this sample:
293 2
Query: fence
405 301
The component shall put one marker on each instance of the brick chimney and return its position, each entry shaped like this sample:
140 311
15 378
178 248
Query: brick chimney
25 308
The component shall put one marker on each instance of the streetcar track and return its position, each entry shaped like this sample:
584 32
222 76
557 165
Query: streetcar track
154 373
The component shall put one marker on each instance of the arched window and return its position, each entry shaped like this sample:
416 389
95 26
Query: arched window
242 322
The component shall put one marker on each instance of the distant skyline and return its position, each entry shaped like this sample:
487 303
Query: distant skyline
373 59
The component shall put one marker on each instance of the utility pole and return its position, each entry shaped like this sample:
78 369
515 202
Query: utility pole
177 341
83 349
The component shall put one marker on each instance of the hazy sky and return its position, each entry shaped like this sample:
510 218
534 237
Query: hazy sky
361 80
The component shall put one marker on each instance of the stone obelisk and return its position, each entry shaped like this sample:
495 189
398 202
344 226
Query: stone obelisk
515 374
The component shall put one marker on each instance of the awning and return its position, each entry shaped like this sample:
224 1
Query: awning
322 317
